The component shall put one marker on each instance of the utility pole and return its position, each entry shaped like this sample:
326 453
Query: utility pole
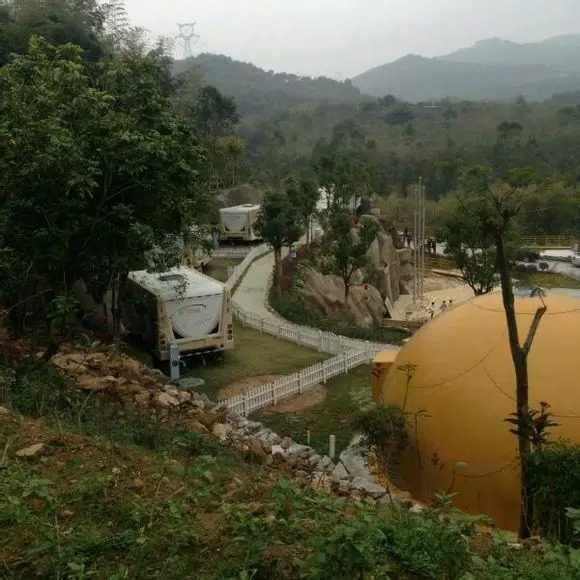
187 35
419 244
415 248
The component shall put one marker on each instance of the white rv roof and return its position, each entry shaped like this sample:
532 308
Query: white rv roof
240 208
177 283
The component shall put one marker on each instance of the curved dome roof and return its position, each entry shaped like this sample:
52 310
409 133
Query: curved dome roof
463 389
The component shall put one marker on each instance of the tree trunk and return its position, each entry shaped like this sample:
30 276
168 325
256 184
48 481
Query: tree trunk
278 271
520 360
346 289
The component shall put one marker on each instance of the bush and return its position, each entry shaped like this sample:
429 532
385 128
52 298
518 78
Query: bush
383 426
554 478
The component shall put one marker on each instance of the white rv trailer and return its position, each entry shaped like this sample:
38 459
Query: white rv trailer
237 223
181 306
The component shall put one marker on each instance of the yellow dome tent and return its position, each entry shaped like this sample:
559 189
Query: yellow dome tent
463 389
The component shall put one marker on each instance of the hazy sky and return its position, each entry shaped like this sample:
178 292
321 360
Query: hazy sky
341 38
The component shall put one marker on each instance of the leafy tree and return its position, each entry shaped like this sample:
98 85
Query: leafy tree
470 245
280 224
501 202
214 113
347 251
92 195
305 195
80 22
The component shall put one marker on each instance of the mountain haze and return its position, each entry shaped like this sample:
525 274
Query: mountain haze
490 69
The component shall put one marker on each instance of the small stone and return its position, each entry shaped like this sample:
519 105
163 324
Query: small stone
278 450
170 390
197 427
300 450
417 509
196 404
256 448
268 460
253 426
183 397
4 411
221 431
209 418
314 459
137 484
286 442
165 400
368 487
340 472
31 451
65 514
116 471
142 399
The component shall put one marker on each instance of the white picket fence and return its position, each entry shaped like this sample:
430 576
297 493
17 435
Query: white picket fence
287 387
349 353
225 253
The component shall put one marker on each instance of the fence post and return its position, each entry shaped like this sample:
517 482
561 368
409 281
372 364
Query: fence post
332 447
320 341
324 372
244 406
307 436
261 326
300 382
272 393
368 346
345 370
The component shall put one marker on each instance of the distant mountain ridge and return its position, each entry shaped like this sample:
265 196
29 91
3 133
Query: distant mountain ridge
490 69
256 90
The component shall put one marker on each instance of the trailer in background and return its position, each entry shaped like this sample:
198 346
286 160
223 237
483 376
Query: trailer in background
181 306
237 223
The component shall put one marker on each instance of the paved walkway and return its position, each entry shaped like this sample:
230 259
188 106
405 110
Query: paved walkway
252 289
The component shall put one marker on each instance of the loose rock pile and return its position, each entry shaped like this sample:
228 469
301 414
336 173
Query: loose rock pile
125 379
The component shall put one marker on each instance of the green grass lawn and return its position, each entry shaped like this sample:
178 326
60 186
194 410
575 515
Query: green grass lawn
254 354
546 280
218 268
346 395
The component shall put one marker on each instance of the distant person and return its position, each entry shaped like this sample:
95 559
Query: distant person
450 303
434 248
443 306
408 239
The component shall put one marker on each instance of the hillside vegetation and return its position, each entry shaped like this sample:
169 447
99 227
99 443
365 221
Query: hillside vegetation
257 91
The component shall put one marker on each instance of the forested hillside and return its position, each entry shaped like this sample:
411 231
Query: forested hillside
257 91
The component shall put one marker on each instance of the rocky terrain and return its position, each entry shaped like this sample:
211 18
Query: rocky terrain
124 379
386 276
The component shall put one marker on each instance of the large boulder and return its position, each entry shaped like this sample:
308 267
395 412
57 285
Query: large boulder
365 305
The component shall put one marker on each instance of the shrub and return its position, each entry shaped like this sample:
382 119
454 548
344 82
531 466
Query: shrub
553 475
383 426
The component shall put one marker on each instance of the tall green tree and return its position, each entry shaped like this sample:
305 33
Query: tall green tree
501 202
109 165
279 223
348 247
470 244
304 194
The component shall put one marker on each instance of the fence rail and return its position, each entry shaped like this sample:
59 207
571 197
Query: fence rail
230 253
287 387
348 352
551 242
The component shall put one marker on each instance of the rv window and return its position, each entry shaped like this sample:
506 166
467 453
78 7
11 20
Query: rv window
172 278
